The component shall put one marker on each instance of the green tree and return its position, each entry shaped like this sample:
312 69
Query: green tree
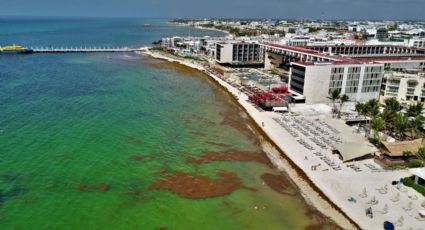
392 104
388 117
372 108
415 109
360 108
416 125
421 155
342 100
401 123
377 124
333 96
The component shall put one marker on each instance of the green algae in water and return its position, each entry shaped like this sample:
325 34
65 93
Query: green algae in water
125 123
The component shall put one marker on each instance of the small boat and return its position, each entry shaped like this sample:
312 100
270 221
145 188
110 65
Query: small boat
147 25
14 49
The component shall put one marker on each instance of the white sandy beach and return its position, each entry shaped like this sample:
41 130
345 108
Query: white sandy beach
337 185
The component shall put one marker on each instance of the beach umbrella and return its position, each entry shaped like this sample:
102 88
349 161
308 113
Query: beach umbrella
388 225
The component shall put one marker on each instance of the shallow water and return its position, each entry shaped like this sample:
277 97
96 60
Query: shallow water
83 136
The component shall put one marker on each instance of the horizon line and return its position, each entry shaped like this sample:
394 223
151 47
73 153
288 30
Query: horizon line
206 17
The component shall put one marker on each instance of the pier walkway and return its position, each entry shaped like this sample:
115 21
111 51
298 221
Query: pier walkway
86 49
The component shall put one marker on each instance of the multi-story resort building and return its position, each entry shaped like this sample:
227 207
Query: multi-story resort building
355 70
316 70
239 53
406 87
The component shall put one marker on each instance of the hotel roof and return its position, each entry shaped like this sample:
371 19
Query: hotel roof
390 58
342 60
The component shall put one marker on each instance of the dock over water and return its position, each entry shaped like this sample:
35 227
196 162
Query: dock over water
87 49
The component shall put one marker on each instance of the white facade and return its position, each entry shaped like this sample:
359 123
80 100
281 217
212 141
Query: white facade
416 42
406 88
171 42
239 53
360 82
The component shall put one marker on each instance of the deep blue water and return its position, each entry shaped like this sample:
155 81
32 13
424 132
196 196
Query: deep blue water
124 32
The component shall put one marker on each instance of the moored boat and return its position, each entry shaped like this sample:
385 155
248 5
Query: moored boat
14 49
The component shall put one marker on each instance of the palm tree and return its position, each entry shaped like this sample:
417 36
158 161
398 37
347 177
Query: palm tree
421 155
377 124
344 98
372 108
388 117
333 96
392 104
415 110
416 125
359 108
401 123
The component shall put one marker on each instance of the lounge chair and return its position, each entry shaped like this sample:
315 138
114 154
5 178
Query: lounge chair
383 190
413 197
408 207
396 198
363 194
400 221
373 201
420 218
385 210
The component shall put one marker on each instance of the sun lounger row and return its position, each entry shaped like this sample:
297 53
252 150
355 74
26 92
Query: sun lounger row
318 143
331 163
372 167
355 168
287 127
305 144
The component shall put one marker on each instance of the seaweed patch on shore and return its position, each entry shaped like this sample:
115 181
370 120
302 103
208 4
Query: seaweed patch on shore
217 144
233 155
279 183
322 222
199 186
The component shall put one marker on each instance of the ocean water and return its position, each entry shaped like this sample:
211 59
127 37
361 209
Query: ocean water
84 136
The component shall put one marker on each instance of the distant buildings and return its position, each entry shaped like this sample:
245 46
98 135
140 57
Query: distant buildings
381 34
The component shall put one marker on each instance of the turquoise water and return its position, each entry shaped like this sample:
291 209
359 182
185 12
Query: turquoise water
73 120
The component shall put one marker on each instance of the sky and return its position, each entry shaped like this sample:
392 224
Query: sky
306 9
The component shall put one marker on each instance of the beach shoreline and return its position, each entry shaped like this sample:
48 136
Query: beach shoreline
200 27
313 195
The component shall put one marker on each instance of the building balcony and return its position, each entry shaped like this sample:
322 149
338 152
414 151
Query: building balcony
392 91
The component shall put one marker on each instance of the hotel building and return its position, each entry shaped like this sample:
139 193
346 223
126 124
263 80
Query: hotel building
239 53
406 87
354 70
